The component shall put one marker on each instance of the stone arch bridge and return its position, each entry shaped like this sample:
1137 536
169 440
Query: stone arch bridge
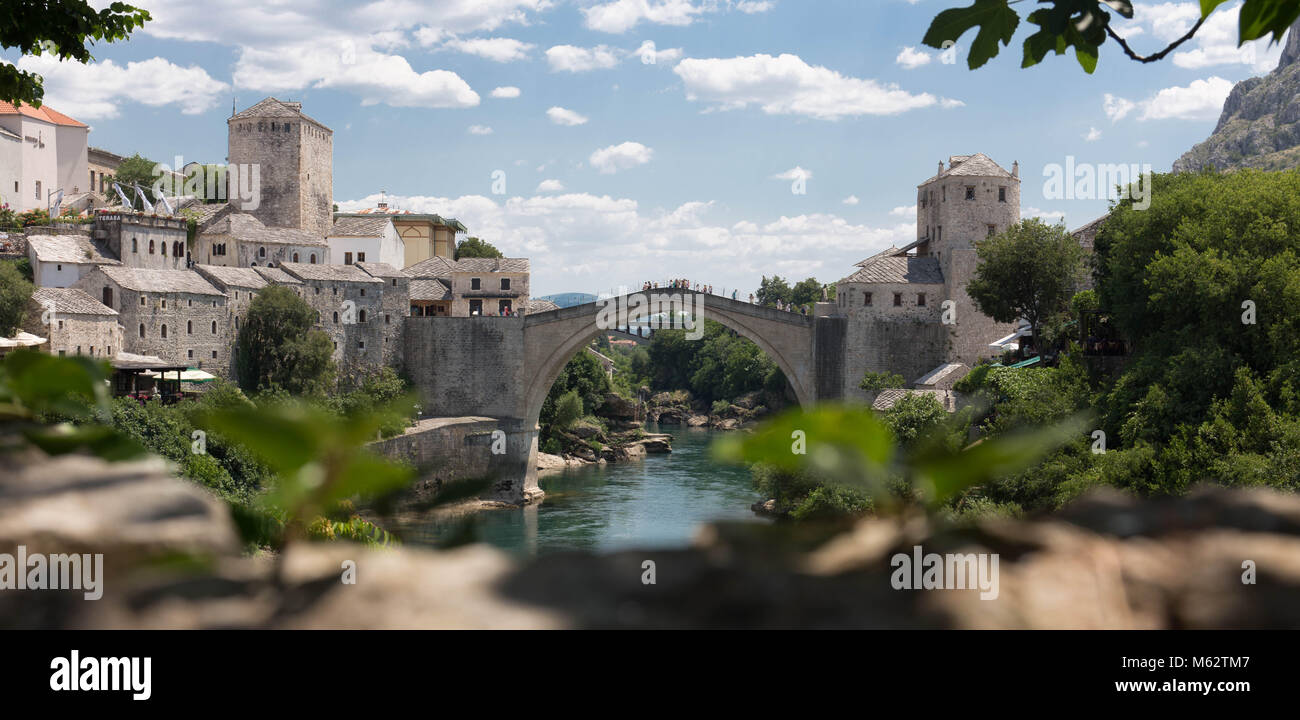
504 367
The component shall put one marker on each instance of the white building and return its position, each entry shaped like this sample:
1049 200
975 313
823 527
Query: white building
61 260
42 151
366 239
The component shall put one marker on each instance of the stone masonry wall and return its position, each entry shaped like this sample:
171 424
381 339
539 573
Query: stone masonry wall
316 178
129 238
189 319
276 154
92 335
490 344
358 338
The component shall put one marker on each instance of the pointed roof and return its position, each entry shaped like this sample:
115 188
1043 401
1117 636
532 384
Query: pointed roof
44 112
977 165
895 269
272 108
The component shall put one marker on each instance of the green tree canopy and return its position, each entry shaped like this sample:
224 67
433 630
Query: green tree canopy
15 292
476 248
772 289
62 28
1084 25
136 169
279 347
1028 271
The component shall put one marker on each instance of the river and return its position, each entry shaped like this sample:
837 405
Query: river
658 502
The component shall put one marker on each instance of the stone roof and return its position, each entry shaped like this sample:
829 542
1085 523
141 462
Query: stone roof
229 277
274 108
405 215
429 289
891 250
132 361
205 215
434 267
491 265
381 270
71 249
248 229
359 227
1087 234
888 398
70 301
538 306
977 165
893 269
329 273
945 375
161 281
276 276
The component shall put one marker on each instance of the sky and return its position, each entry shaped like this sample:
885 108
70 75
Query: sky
618 141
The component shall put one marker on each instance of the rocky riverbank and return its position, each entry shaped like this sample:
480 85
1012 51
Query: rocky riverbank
679 407
615 436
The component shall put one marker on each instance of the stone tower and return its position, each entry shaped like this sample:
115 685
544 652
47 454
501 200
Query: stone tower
970 199
295 158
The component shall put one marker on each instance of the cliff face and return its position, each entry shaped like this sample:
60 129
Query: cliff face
1260 124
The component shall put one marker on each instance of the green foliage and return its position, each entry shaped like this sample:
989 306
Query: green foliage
476 248
136 169
62 28
583 376
278 345
877 381
1085 26
772 289
914 415
15 293
1028 271
720 365
567 410
367 390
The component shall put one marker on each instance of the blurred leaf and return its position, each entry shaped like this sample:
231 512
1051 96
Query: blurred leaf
996 22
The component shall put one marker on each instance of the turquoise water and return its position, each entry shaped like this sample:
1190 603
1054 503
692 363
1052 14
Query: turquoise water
659 502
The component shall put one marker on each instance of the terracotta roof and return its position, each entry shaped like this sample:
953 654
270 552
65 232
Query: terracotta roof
44 112
331 273
898 269
977 165
359 227
161 281
228 277
430 289
71 249
70 301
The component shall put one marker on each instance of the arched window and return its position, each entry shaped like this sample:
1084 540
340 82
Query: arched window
151 247
313 258
295 257
362 316
162 250
261 252
135 245
164 331
336 318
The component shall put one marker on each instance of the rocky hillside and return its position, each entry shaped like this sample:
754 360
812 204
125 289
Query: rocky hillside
1260 124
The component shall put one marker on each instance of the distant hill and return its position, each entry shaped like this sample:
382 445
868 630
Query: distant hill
569 299
1260 124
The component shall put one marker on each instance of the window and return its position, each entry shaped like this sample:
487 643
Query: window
347 258
141 299
387 320
866 299
214 354
190 354
503 307
363 292
475 307
151 247
295 257
361 257
920 299
993 230
505 283
60 324
361 344
38 189
336 318
59 268
189 327
313 259
940 236
970 192
163 250
164 304
164 331
261 252
214 327
1002 194
898 299
361 316
475 284
135 245
945 193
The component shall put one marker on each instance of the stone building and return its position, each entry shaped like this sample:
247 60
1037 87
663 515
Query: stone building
157 242
176 315
102 165
908 307
294 158
349 307
239 285
473 286
61 260
74 323
395 305
361 239
236 239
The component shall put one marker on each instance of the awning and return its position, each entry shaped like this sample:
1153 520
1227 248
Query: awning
22 339
190 375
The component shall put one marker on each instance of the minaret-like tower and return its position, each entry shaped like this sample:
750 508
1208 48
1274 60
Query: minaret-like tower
294 155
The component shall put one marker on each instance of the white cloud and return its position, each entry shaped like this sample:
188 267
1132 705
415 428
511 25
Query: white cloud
480 130
611 159
563 116
98 89
570 58
583 242
622 15
750 7
650 55
786 85
498 49
1216 44
1049 216
550 186
949 103
851 200
1092 135
911 58
506 91
1202 100
794 173
1116 108
904 211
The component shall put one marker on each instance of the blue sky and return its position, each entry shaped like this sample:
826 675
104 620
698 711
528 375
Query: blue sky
618 170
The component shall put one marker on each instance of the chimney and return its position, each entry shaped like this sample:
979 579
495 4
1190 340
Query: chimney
940 167
383 205
1015 168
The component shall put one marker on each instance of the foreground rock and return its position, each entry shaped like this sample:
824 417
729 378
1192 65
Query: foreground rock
1108 561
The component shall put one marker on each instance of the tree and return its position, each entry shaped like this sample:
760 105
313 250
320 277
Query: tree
1028 271
136 169
279 347
476 248
874 382
772 289
806 292
15 292
1085 26
61 28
